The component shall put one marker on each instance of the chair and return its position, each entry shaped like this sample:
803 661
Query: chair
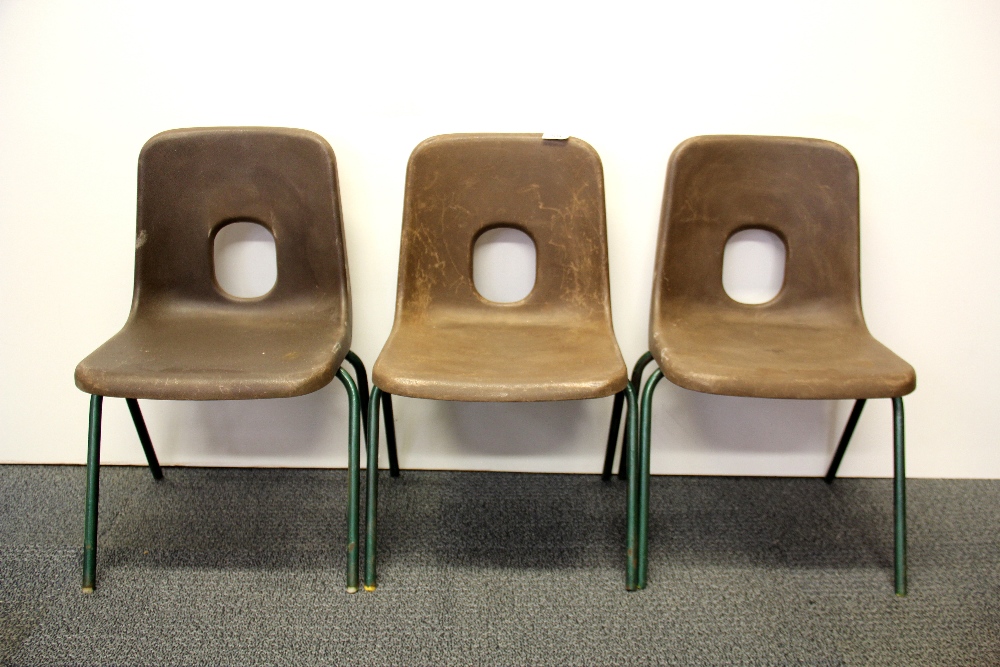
810 341
185 338
447 341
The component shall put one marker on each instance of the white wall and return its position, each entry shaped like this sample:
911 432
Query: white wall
911 88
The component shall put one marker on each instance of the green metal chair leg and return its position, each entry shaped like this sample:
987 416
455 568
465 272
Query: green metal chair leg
144 440
390 434
371 506
93 493
633 512
640 366
353 479
362 376
845 439
645 414
899 496
616 417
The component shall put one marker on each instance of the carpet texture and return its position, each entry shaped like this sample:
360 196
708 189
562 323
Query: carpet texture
246 567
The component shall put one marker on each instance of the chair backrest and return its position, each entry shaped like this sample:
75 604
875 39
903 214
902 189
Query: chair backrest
459 186
803 190
192 182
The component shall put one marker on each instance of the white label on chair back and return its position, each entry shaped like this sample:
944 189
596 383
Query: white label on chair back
503 265
245 261
753 266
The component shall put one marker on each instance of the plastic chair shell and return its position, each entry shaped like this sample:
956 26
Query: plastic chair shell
450 343
810 341
185 338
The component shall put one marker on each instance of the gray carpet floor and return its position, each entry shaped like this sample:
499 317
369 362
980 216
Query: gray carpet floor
246 567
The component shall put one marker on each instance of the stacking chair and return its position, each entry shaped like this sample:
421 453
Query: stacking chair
186 338
450 343
810 341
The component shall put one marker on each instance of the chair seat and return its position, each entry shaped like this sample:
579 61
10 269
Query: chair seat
778 361
216 357
484 361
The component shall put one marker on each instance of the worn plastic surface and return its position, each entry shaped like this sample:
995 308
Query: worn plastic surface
447 341
185 338
811 340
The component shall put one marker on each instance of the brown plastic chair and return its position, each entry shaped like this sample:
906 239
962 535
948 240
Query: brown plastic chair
447 341
185 338
810 341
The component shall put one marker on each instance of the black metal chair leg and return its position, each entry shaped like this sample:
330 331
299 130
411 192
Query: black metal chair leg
845 439
390 434
616 417
93 494
144 440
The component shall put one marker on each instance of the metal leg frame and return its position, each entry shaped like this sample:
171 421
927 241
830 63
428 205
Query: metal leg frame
362 380
94 477
354 479
641 485
899 496
616 412
390 427
634 529
638 493
899 482
93 492
645 415
371 505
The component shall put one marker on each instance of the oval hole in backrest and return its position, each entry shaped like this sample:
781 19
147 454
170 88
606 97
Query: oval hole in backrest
246 265
753 266
503 264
